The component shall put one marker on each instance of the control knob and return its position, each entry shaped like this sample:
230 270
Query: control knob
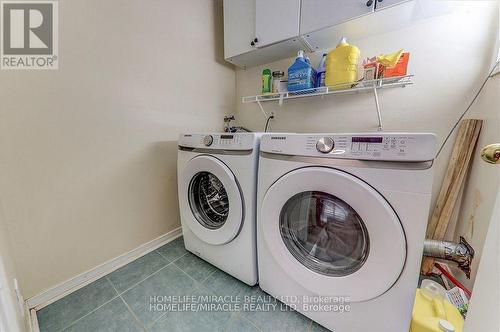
208 140
325 144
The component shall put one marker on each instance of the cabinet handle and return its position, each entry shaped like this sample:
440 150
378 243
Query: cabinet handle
369 3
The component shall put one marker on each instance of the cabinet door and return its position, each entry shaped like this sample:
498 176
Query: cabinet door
319 14
276 20
387 3
239 27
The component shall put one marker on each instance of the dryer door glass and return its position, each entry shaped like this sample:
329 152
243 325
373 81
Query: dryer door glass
324 233
208 200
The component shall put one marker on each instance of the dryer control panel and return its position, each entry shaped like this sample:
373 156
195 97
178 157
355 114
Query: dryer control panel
360 146
219 141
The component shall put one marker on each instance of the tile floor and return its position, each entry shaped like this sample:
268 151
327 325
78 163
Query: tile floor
122 300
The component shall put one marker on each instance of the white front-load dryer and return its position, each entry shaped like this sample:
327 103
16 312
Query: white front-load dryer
341 225
217 187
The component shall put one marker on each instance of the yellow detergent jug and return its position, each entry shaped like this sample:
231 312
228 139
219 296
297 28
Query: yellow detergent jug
342 65
433 313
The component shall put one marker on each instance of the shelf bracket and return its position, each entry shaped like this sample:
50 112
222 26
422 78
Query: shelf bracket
377 105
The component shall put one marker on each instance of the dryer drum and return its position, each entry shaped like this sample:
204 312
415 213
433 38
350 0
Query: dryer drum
324 233
208 200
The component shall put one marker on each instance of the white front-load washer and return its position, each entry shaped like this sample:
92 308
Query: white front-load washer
217 187
341 225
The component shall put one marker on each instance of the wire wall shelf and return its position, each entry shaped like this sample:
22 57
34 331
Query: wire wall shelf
360 86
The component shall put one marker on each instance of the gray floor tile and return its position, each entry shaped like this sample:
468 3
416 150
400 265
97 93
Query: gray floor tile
77 304
187 278
186 321
170 281
240 324
222 283
318 328
194 319
280 318
111 317
196 267
255 291
173 250
136 271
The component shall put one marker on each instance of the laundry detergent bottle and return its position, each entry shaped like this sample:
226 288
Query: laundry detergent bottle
301 75
342 65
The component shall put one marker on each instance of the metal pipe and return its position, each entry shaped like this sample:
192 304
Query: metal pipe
462 253
244 129
227 122
232 129
239 129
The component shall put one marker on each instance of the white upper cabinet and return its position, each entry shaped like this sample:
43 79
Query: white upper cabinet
387 3
320 14
262 31
239 27
276 20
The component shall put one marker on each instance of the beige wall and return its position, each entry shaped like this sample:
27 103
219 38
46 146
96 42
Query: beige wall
88 152
485 306
483 183
11 316
450 57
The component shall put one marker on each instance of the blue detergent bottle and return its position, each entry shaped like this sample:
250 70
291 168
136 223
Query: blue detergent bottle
301 75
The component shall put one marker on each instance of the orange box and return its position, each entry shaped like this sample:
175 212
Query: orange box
400 69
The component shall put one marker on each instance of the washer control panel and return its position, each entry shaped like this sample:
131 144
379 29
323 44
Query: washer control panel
363 146
219 141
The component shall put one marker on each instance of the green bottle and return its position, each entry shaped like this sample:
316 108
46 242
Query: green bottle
267 79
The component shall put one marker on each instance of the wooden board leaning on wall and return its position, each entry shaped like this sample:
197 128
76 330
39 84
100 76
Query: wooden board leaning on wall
454 179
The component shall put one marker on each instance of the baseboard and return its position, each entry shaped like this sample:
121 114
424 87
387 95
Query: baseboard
55 293
33 321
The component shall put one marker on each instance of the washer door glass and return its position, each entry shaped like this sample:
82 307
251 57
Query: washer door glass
208 200
324 233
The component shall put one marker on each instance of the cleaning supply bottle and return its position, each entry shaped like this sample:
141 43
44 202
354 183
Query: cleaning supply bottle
320 72
432 312
313 70
301 75
342 65
267 79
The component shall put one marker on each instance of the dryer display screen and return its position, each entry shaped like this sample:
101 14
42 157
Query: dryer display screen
367 139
